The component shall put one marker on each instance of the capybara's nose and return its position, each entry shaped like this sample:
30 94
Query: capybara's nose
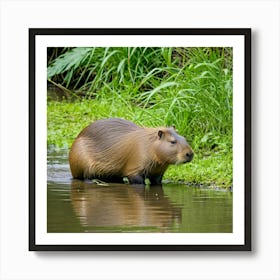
189 156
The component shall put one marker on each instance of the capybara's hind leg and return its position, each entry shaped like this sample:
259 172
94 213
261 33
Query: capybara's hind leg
136 179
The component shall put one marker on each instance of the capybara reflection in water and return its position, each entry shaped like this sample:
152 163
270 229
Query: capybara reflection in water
111 149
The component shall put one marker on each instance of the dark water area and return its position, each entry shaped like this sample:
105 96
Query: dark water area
78 206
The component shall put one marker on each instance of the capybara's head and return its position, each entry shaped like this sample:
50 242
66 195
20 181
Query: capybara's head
171 147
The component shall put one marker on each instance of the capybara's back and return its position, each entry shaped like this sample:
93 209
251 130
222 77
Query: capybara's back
111 149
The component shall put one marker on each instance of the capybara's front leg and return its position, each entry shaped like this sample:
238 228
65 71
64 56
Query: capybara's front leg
155 179
136 179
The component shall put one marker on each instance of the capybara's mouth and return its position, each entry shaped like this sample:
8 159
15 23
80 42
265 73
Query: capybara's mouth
184 161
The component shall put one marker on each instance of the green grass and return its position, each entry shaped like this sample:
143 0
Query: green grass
190 88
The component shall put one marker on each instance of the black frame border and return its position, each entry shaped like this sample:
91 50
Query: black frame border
246 32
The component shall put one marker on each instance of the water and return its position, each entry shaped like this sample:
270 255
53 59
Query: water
77 206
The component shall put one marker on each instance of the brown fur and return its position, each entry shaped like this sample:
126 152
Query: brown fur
111 149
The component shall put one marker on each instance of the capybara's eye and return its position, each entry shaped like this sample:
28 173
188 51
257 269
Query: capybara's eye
173 142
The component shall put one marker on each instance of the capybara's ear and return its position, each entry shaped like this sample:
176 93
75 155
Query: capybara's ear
160 134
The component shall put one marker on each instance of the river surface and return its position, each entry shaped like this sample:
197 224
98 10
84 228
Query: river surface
78 206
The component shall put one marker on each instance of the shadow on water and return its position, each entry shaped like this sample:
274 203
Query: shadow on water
82 206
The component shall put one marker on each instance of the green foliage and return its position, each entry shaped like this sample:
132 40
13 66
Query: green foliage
190 88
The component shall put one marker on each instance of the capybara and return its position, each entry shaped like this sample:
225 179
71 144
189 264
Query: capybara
111 149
